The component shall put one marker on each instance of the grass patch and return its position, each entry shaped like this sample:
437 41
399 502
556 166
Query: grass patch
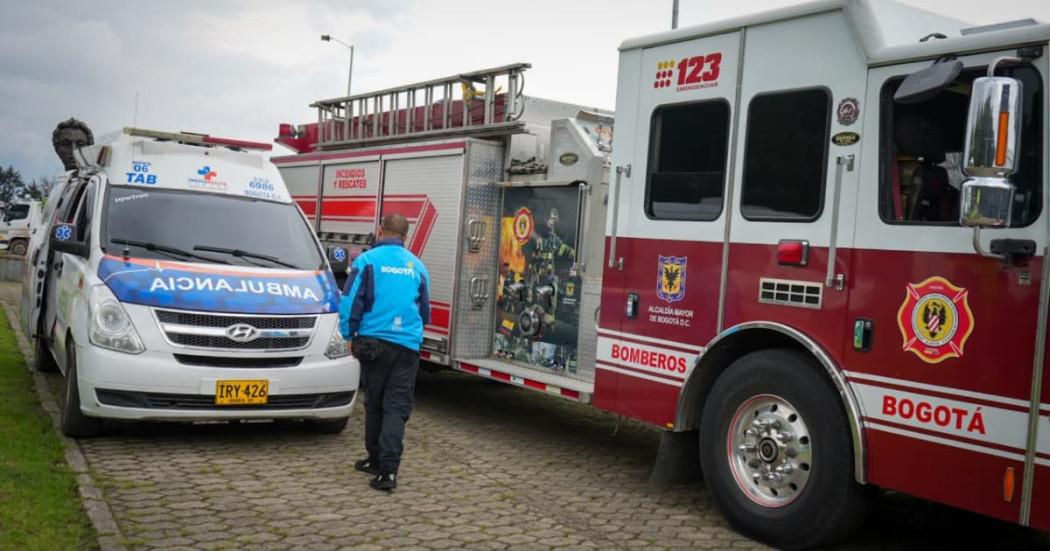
39 506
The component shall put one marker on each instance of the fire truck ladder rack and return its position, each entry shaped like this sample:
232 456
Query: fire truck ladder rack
481 104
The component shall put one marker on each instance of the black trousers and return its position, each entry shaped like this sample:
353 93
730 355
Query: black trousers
389 382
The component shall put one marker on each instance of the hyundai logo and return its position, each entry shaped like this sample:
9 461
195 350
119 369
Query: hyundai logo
242 332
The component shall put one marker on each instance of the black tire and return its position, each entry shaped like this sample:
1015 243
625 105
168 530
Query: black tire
43 361
327 426
828 505
18 247
74 423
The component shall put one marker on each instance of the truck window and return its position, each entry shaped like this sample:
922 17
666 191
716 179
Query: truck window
16 212
687 161
921 151
785 156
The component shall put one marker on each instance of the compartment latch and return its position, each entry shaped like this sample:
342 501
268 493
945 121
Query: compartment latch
479 292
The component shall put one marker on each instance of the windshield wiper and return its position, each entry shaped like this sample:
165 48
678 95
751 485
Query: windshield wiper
166 249
245 254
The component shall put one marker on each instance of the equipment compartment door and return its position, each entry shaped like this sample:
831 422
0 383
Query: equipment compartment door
428 191
538 291
348 204
943 357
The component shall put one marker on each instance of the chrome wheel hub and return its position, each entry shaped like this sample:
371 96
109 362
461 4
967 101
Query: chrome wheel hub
770 453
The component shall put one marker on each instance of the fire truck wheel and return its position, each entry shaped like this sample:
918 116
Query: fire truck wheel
775 449
74 423
43 361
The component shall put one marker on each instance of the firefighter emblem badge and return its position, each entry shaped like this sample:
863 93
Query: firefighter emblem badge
935 320
670 283
523 225
848 111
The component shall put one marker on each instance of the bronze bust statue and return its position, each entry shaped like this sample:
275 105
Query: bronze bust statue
68 136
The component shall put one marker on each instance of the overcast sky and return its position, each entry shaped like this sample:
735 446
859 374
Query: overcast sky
237 68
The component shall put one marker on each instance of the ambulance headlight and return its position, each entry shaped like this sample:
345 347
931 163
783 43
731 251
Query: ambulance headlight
337 347
109 325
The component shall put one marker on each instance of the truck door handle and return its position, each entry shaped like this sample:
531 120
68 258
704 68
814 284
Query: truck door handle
479 291
614 200
833 279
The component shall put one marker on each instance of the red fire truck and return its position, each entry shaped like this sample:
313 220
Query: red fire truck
792 272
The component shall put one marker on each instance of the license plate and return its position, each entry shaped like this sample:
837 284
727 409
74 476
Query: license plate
237 393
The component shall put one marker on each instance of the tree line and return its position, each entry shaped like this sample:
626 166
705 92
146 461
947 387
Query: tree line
13 187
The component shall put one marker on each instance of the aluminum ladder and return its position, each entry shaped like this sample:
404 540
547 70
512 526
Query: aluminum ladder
482 103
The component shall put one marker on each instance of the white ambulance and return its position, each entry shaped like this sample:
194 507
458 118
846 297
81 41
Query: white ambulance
179 282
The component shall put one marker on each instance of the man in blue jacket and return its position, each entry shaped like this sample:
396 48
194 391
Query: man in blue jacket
383 314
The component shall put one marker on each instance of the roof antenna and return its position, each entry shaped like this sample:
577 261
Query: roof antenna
134 124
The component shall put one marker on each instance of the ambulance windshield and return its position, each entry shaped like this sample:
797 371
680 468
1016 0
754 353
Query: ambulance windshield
209 228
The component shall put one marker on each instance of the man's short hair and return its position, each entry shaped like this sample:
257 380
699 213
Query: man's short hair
396 224
74 124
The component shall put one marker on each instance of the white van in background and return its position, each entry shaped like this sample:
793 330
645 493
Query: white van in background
180 282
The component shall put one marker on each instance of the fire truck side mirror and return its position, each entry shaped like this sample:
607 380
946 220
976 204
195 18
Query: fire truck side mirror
993 137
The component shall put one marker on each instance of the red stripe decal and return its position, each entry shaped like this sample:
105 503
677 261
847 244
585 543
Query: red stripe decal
535 384
309 206
646 343
367 153
427 217
945 435
439 317
362 208
671 378
938 394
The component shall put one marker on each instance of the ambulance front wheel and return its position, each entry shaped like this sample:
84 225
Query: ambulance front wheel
74 423
776 451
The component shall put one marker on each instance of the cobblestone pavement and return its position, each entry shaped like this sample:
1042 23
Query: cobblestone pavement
487 466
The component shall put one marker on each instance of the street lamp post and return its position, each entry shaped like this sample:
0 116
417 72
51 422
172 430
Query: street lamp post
349 73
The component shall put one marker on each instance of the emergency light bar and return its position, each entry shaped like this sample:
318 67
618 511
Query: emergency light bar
197 139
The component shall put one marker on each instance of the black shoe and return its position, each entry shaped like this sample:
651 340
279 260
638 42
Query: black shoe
367 466
386 482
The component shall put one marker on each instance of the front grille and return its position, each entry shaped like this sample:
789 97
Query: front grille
215 320
157 400
206 330
236 361
205 341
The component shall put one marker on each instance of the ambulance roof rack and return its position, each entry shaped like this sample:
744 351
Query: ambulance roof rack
196 139
443 107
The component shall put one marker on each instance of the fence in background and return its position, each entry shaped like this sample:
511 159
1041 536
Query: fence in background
12 267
